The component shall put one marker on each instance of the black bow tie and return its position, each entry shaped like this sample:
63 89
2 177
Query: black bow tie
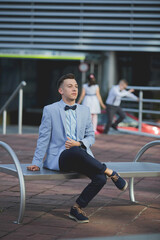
70 107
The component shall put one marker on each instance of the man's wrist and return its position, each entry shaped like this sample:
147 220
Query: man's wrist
82 145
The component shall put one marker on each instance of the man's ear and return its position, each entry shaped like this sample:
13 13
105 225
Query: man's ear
60 91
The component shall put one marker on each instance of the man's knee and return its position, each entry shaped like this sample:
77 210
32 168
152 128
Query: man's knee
100 179
123 117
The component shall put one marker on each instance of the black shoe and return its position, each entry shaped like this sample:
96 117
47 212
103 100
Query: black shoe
78 215
114 127
120 183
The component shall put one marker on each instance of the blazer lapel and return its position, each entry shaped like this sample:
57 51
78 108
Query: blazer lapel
62 113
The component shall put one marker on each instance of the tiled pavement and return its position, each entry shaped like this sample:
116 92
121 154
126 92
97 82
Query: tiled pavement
48 202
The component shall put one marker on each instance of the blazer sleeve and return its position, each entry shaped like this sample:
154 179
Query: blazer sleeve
43 139
89 137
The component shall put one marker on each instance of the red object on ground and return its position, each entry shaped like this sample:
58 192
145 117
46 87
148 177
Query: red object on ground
146 128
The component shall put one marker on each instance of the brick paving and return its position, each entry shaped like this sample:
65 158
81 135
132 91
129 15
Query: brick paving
48 202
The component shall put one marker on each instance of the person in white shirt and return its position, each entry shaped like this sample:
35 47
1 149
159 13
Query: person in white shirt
113 103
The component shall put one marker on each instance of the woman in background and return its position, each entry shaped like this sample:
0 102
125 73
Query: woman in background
91 97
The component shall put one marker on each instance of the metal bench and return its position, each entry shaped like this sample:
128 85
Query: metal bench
125 169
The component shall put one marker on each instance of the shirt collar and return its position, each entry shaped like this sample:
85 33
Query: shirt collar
64 104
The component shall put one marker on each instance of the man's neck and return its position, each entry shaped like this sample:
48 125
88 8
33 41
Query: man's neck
70 103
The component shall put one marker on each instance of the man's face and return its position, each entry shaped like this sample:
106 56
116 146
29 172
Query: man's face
69 89
122 85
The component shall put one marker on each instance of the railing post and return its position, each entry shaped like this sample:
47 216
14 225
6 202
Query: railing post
20 111
4 121
140 110
3 109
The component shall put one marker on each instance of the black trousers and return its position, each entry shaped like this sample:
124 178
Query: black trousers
78 160
111 111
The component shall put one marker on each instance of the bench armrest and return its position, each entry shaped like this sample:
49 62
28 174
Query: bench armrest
137 157
20 177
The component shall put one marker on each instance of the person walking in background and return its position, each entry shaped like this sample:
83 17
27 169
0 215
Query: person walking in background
91 98
113 103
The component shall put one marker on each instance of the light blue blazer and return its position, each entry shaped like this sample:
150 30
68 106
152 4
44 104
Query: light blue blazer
52 134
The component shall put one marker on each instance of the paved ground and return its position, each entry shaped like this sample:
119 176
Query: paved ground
48 203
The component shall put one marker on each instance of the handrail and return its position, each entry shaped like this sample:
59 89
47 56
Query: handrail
137 157
21 180
140 110
23 83
3 109
143 88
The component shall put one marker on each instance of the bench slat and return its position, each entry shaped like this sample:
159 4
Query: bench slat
43 174
135 169
125 169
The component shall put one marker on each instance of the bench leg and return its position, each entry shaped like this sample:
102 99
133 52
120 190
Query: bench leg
131 189
22 200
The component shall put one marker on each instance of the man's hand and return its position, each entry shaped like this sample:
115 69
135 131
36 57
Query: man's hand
131 90
71 143
104 106
33 168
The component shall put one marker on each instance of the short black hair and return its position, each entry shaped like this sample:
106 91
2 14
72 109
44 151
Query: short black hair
66 76
124 81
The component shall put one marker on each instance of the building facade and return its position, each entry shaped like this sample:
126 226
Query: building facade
42 39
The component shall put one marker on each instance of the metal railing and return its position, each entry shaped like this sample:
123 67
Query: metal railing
3 110
140 109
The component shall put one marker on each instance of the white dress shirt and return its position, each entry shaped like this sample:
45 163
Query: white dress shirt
115 95
71 124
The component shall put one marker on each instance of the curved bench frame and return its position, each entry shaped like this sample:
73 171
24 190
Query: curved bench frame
138 156
21 181
20 175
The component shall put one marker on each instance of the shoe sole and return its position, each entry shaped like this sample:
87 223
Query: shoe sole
79 221
125 187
